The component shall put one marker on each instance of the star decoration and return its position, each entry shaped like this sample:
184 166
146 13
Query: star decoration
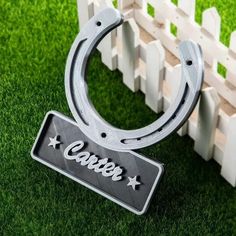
133 182
54 142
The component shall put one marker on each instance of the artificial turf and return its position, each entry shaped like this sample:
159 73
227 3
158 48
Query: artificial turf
35 37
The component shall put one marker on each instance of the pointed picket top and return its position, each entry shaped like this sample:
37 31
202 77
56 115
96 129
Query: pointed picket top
233 42
211 22
188 7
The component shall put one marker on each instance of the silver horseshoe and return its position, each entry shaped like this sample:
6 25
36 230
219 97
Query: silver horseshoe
86 116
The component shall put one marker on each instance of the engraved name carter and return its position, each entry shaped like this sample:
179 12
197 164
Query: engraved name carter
93 162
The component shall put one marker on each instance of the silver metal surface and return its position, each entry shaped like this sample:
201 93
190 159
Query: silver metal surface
92 124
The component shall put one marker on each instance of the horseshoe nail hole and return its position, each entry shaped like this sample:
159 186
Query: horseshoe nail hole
103 135
98 23
138 139
189 62
159 130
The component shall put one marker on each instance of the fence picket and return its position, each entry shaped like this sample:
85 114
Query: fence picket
122 4
228 170
130 54
231 76
107 46
154 75
207 122
188 7
87 6
211 22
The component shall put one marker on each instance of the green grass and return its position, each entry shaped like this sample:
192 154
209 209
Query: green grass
35 37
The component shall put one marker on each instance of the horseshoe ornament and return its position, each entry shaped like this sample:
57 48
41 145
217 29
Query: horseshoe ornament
97 155
86 116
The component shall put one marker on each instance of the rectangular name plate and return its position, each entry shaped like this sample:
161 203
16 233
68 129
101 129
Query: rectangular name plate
127 178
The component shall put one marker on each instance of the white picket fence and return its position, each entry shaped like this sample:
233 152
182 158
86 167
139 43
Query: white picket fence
149 61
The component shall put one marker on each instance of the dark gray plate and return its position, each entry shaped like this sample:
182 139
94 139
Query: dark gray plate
140 175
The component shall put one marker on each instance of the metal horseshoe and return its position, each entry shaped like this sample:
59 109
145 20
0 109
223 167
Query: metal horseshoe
86 116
